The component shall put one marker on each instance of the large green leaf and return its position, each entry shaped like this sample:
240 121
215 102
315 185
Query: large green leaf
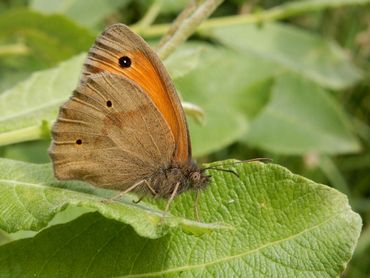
46 39
300 118
290 48
284 225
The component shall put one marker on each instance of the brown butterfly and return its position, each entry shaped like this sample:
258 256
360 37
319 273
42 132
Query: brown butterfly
124 127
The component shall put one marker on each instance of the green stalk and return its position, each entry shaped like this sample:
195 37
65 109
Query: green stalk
149 16
36 132
277 13
187 26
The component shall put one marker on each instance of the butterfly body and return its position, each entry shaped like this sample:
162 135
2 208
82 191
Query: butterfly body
124 126
188 176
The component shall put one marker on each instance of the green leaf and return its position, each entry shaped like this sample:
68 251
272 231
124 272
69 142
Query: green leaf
293 49
36 197
84 12
185 59
284 224
51 37
217 130
253 98
300 118
48 40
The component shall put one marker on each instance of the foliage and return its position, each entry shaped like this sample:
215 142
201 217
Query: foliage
259 236
280 79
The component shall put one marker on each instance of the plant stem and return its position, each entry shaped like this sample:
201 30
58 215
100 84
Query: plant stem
186 13
279 12
30 133
149 16
187 26
21 135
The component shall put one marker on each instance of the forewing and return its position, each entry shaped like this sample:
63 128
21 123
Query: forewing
147 71
110 133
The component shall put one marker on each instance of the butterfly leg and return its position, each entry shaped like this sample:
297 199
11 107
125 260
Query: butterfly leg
119 195
172 197
170 201
150 188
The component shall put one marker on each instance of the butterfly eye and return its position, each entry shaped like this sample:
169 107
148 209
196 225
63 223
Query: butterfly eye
78 141
109 103
124 62
195 176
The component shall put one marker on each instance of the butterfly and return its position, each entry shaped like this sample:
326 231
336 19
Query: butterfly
124 127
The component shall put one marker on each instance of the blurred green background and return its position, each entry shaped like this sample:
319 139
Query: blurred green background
294 88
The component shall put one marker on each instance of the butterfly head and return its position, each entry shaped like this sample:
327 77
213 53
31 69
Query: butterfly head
196 177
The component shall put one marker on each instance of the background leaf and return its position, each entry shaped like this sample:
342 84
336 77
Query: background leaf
283 224
300 118
48 40
183 61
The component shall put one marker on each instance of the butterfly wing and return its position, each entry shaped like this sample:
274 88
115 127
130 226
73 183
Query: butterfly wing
110 133
147 71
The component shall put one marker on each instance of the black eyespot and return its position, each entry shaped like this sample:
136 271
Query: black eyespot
78 141
124 62
109 103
